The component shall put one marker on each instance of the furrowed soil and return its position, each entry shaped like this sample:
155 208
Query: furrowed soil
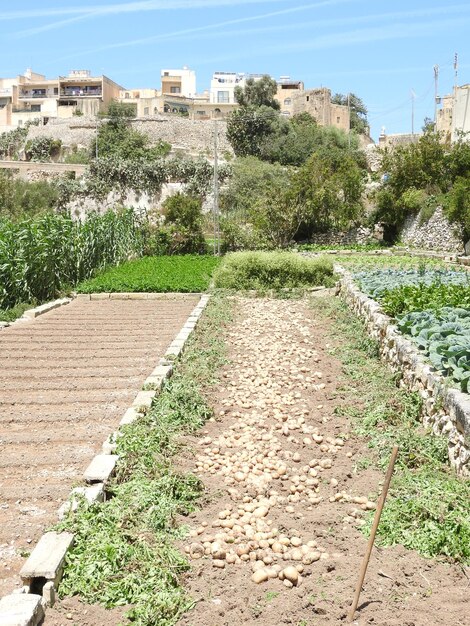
66 380
284 491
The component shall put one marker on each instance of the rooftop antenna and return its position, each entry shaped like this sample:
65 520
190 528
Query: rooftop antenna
436 92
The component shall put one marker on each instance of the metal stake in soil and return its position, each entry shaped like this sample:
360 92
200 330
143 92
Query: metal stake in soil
378 513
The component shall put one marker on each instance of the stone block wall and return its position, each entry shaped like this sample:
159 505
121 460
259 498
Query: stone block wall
446 410
437 233
361 235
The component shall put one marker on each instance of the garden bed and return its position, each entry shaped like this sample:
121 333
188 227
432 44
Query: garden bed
184 274
434 359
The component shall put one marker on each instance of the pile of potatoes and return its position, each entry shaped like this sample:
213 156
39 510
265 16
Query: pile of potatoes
261 453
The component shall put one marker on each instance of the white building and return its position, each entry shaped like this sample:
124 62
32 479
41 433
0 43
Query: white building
223 87
461 111
179 82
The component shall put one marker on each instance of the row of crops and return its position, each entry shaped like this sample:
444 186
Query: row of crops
41 257
432 307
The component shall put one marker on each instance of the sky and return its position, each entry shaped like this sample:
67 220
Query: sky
381 51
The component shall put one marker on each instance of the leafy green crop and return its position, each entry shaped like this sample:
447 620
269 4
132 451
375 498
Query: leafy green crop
444 335
408 298
187 273
375 283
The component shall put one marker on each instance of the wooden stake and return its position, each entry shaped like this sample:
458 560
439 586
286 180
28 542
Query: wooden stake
370 544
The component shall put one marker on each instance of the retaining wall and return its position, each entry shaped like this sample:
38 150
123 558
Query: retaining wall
445 409
436 233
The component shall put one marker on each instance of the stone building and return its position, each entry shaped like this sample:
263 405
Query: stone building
318 103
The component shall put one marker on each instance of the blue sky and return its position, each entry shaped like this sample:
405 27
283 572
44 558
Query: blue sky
378 50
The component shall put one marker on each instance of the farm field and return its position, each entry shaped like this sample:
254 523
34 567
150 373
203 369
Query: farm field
432 307
301 416
66 380
185 273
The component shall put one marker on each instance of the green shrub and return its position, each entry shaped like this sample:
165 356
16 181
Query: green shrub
272 270
20 199
457 206
183 225
42 148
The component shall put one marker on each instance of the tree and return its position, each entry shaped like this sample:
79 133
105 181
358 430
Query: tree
249 126
258 93
358 121
116 137
329 189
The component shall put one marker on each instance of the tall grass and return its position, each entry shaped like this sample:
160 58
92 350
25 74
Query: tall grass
272 270
42 256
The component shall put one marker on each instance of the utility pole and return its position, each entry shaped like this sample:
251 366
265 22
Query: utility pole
436 93
349 115
456 73
413 96
216 194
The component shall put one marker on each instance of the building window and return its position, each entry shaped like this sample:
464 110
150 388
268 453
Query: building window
175 89
166 73
287 102
146 110
155 110
201 112
56 91
127 95
308 98
223 96
36 108
338 120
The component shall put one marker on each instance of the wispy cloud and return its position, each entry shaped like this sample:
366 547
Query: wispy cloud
282 28
124 7
80 14
208 27
180 4
341 39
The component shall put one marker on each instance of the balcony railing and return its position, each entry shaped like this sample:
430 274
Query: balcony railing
28 95
81 93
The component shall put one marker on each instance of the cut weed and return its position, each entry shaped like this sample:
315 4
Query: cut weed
124 551
427 507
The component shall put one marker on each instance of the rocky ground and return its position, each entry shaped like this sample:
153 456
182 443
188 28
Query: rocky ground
279 540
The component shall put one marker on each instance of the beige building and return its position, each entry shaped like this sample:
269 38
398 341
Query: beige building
286 90
32 96
198 108
147 102
453 116
318 103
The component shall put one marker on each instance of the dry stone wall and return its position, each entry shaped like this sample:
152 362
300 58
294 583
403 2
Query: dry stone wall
361 235
437 233
445 409
188 136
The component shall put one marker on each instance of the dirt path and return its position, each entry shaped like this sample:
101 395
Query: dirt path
66 379
280 469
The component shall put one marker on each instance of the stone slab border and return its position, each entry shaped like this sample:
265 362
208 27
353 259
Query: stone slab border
445 409
43 569
31 314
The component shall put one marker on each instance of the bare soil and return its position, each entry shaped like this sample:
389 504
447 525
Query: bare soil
66 379
281 387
